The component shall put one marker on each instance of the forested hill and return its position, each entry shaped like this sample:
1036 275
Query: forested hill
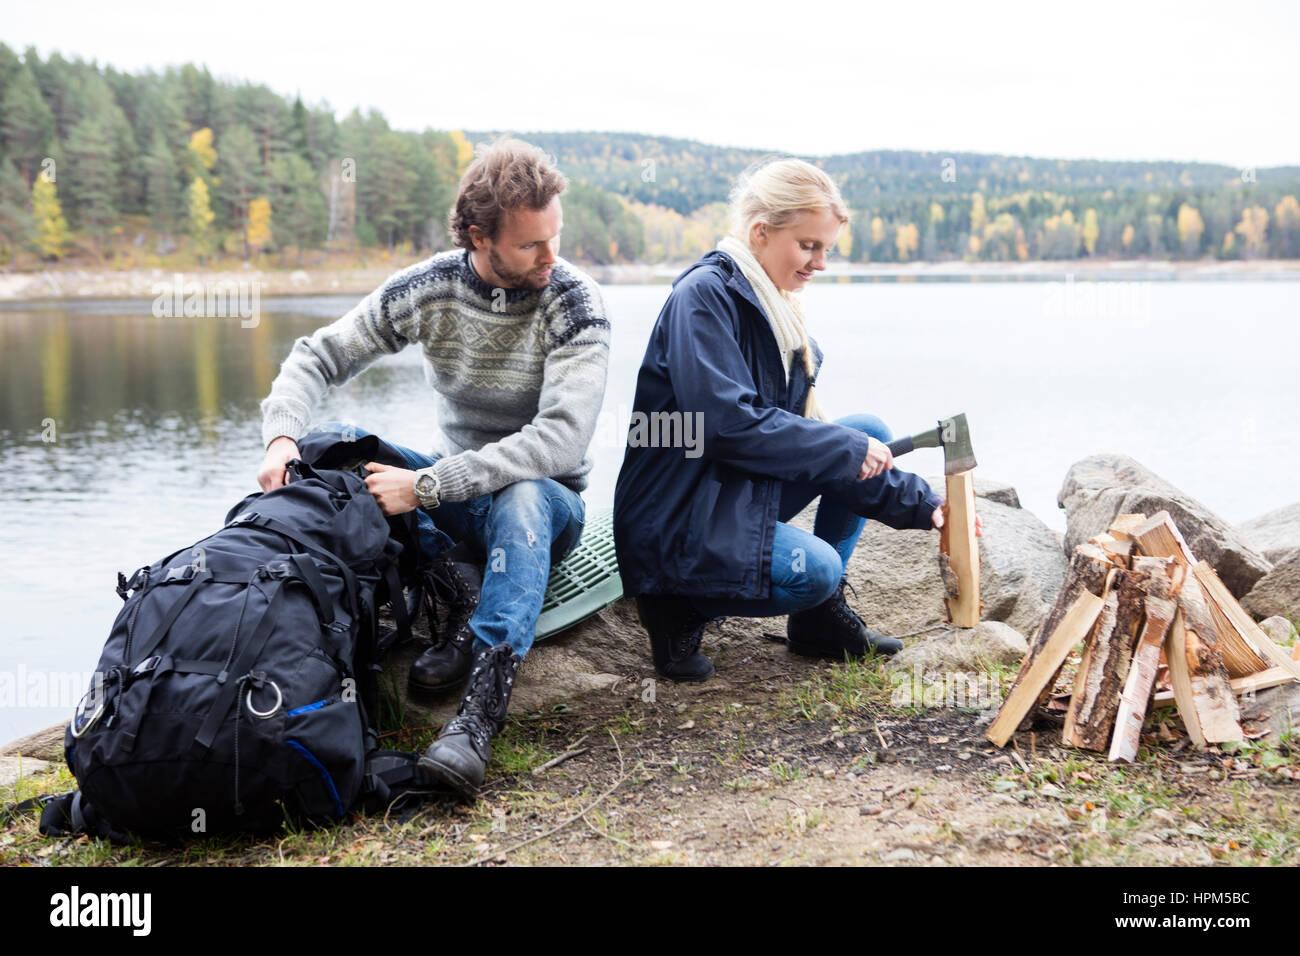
178 168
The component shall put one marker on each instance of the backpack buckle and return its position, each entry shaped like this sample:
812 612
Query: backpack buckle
182 573
146 665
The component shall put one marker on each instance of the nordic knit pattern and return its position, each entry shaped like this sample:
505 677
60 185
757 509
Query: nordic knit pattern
519 374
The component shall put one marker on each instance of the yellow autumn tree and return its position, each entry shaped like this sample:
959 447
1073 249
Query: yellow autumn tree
201 148
464 151
978 216
201 217
936 213
1090 231
1190 228
1286 218
877 231
1126 238
906 240
51 236
844 244
1253 230
258 232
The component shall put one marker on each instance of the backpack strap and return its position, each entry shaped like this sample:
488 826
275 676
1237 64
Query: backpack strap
230 689
142 652
272 524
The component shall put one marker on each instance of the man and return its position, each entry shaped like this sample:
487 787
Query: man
516 346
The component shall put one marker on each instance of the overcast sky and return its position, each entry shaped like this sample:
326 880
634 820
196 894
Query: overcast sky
1130 80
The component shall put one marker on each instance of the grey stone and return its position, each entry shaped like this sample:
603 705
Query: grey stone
45 744
898 590
1277 708
966 650
1098 488
1275 533
1279 629
12 768
988 488
1278 592
903 855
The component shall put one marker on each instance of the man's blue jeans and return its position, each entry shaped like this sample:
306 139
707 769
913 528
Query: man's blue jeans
806 568
522 529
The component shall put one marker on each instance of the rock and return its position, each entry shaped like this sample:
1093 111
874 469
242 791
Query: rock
1276 707
966 650
1278 592
987 488
1098 488
903 855
45 744
895 574
1274 534
1279 629
12 768
605 651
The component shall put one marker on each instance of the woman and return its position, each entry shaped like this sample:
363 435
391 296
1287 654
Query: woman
701 531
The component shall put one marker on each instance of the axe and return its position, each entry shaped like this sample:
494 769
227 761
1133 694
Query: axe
959 556
952 435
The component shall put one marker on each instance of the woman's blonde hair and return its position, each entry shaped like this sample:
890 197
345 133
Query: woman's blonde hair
775 193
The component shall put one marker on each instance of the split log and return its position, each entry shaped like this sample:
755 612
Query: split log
1250 684
1102 675
1122 527
1072 627
959 553
1159 537
1159 608
1246 648
1087 572
1196 670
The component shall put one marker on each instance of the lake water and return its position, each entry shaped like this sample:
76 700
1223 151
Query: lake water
156 427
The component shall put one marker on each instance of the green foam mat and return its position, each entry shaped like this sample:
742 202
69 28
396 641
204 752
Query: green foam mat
584 582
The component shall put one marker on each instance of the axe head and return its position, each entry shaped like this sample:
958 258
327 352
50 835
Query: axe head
954 436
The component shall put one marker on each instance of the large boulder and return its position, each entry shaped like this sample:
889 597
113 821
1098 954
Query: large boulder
1274 534
1100 487
1277 592
895 574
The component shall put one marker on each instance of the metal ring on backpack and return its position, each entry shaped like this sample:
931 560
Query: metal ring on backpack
91 721
263 715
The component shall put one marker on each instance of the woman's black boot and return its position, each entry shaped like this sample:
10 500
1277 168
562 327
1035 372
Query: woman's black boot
832 629
460 756
456 580
675 630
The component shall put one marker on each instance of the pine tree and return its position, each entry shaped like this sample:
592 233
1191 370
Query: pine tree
26 124
16 222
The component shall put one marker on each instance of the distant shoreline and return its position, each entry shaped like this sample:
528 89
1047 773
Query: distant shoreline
73 284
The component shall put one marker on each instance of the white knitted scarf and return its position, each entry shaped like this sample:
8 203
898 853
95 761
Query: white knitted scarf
782 309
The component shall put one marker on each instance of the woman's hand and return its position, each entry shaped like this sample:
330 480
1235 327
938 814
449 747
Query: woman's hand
937 518
879 458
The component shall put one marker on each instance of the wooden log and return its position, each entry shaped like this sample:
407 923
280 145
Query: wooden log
1122 527
1246 648
1159 537
1196 670
959 550
1072 628
1098 686
1088 570
1250 684
1160 580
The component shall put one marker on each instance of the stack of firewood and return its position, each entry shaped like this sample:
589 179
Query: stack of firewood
1143 606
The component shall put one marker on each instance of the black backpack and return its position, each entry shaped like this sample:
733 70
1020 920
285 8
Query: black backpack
237 686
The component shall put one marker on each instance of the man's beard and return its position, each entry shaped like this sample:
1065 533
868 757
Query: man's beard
513 280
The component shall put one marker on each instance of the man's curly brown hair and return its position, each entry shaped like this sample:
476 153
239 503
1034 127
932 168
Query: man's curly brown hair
507 174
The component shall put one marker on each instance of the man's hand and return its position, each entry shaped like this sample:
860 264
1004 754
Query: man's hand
393 488
278 454
879 458
937 518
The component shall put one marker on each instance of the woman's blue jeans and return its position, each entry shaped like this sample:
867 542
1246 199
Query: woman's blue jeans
806 568
522 530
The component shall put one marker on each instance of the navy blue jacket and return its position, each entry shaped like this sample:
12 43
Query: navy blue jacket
700 520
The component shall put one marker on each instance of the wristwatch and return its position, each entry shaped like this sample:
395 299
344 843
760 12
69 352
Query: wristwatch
427 487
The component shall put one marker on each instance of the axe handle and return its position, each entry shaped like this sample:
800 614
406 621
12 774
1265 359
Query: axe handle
901 446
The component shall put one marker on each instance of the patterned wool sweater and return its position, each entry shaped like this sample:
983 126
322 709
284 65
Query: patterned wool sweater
519 374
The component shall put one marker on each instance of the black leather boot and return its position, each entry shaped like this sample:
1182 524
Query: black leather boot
675 629
832 629
460 756
456 580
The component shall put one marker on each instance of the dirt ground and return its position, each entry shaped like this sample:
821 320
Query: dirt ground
779 761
